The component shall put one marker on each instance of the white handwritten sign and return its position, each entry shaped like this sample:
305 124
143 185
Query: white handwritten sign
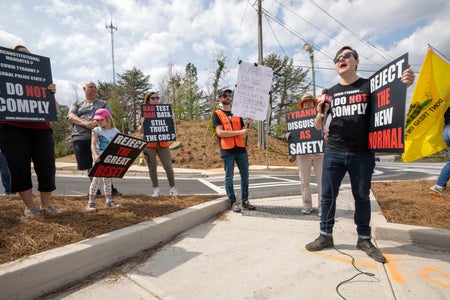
251 95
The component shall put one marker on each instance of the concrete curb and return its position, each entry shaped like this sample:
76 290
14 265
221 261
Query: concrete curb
47 271
432 237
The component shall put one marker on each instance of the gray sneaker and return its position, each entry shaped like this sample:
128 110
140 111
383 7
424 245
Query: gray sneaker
235 207
51 210
248 206
322 242
32 213
370 249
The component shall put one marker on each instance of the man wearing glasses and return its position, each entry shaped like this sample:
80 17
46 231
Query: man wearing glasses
231 132
347 151
80 115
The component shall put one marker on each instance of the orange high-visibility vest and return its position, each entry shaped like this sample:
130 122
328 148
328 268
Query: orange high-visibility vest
231 141
155 144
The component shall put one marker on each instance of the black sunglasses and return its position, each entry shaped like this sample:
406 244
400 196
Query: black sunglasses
344 56
154 98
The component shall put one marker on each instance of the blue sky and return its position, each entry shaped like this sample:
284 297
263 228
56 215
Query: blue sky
152 35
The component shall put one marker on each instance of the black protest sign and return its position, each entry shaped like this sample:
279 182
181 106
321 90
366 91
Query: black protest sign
158 123
24 95
388 99
118 156
304 138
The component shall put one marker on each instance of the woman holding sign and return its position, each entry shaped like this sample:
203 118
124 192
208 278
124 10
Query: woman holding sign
305 162
23 142
163 151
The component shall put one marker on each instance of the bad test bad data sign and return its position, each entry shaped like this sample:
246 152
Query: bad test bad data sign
158 123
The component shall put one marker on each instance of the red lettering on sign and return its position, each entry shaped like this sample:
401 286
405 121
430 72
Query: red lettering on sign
35 91
386 139
109 171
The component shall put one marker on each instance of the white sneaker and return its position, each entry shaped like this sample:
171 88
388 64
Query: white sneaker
156 192
320 212
306 211
438 189
173 192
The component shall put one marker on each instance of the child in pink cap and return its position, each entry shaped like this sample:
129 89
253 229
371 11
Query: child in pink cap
101 136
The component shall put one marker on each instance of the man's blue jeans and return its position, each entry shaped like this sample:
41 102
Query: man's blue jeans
241 160
360 168
445 172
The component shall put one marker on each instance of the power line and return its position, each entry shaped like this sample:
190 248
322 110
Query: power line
268 14
279 44
354 33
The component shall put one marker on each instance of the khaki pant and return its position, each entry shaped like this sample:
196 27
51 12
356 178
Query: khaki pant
304 163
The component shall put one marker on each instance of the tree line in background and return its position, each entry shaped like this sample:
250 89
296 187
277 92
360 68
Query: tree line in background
188 101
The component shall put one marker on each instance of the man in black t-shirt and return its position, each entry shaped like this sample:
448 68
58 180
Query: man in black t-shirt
347 150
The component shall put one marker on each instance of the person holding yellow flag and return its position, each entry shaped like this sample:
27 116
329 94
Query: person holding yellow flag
430 100
443 178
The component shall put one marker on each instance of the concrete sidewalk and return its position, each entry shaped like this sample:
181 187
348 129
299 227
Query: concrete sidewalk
251 255
209 252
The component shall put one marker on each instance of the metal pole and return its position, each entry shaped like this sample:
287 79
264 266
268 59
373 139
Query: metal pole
112 28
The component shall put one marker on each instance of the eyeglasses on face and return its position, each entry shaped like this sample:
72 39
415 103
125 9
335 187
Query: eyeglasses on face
344 56
154 98
226 95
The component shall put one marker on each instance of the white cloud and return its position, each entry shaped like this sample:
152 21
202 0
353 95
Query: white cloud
154 33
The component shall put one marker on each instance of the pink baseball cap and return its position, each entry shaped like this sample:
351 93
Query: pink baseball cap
101 113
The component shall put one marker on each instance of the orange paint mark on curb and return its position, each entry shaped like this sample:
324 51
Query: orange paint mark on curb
392 269
345 260
425 275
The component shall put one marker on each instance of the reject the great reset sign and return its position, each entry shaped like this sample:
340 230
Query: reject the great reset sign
118 156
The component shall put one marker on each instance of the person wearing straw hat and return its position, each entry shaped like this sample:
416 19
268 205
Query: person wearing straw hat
307 161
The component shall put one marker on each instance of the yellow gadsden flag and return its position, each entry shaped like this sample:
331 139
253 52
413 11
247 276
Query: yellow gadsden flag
430 100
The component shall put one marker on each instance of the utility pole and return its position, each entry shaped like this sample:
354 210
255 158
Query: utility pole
260 62
263 141
112 29
309 48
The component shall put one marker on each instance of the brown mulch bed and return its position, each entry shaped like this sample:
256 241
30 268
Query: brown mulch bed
21 237
405 202
413 203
